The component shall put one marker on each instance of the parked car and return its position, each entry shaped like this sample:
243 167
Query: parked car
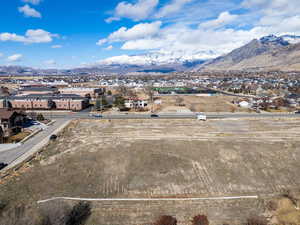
53 137
2 165
297 112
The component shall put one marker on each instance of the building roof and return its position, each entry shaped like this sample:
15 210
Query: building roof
7 114
47 97
38 88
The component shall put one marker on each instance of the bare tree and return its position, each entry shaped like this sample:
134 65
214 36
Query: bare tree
122 90
179 100
149 91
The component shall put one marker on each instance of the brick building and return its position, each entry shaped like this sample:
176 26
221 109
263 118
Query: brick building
48 102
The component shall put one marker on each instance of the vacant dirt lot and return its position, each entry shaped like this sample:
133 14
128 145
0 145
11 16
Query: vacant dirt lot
165 158
199 104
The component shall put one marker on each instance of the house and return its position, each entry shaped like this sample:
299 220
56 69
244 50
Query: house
11 123
244 104
135 103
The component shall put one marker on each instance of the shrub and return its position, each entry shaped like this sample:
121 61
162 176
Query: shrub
40 117
79 214
256 221
166 220
55 213
3 205
59 213
200 220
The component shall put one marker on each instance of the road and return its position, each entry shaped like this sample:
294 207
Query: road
86 115
13 155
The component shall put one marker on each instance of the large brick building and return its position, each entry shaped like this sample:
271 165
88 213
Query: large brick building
47 102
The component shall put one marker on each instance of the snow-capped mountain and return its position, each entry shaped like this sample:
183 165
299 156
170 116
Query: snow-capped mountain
267 53
292 39
157 58
272 39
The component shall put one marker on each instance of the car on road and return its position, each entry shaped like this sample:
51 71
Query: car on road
154 116
297 112
97 115
2 165
201 117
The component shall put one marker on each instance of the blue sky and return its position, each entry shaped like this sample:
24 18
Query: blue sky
68 33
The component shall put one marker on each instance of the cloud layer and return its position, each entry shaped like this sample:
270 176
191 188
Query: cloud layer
30 37
217 33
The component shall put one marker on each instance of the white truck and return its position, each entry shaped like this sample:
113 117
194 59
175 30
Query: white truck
201 117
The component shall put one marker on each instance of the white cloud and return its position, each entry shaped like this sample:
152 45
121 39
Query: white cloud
29 12
1 54
136 32
181 42
124 59
138 11
276 16
173 7
31 36
56 46
110 47
223 19
101 41
15 58
34 2
50 62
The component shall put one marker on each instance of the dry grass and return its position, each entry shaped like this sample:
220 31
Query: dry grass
164 158
19 137
204 104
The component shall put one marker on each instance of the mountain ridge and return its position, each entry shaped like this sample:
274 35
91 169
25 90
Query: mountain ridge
264 54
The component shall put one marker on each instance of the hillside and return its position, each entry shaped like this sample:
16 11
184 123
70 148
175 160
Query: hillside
266 54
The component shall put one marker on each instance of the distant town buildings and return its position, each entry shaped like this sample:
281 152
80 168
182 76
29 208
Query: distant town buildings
83 92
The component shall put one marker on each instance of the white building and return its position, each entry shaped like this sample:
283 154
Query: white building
135 103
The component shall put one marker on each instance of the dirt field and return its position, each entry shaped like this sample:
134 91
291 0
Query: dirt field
199 104
165 158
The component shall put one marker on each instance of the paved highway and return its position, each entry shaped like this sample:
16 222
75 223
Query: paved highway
170 116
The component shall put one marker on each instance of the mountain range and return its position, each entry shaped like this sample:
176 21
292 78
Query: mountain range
269 53
266 54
